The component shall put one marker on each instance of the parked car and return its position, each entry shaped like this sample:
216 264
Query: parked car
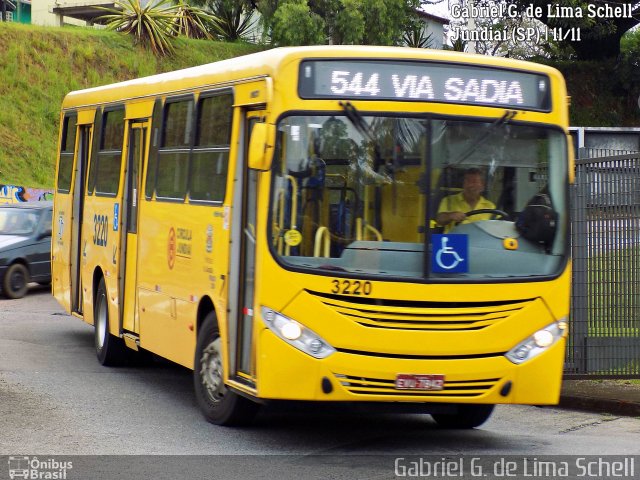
25 246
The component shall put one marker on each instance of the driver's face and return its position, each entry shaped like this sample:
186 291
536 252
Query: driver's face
473 185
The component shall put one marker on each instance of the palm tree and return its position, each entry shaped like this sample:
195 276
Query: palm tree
415 36
152 25
194 22
233 19
157 22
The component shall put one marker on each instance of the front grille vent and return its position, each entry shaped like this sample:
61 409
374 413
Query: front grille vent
426 316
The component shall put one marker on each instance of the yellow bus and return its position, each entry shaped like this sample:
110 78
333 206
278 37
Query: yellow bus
329 224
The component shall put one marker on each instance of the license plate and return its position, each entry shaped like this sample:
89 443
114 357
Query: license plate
408 381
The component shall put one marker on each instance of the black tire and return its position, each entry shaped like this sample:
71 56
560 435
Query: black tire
218 404
110 350
16 279
468 416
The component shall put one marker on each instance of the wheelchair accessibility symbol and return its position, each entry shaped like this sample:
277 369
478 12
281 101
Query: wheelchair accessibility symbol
450 253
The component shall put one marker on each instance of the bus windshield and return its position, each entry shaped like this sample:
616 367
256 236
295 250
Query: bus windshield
428 198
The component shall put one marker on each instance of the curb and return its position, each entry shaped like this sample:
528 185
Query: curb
600 405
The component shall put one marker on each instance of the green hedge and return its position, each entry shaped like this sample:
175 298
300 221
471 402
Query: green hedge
603 94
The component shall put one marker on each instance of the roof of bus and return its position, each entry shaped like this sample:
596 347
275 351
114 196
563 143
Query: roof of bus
265 63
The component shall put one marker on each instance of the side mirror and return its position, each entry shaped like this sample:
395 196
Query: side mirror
260 152
44 234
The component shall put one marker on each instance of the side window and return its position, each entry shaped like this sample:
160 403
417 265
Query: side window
152 165
67 148
109 158
175 145
210 159
95 146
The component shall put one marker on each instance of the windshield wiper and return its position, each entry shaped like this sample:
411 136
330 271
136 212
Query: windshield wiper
503 120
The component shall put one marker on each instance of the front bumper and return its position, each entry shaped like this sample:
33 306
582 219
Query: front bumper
287 373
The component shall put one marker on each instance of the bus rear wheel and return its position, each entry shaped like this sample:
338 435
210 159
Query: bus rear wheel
468 416
219 405
110 350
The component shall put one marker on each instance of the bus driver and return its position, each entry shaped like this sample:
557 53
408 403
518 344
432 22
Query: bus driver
453 208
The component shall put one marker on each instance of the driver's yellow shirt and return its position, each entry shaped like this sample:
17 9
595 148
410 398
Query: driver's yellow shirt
457 203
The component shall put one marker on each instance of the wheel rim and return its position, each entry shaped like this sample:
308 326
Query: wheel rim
18 281
101 322
211 374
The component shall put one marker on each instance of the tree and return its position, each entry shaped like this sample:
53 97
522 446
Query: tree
630 44
416 36
152 25
569 29
233 19
386 20
155 24
499 39
294 24
599 36
349 25
368 22
192 22
266 8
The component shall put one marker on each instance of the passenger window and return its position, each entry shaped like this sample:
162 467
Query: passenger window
210 159
214 120
173 154
109 158
178 124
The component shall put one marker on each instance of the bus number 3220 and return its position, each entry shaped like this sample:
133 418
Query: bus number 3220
351 287
100 230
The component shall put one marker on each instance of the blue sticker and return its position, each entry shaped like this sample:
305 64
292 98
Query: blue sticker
450 253
116 217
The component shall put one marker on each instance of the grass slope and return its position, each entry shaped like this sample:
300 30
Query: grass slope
40 65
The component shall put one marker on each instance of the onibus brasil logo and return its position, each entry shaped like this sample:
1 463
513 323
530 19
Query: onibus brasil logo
35 468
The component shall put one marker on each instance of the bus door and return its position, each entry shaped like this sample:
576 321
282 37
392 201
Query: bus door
242 285
136 152
77 211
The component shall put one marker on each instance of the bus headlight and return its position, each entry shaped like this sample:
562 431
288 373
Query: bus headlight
296 334
537 343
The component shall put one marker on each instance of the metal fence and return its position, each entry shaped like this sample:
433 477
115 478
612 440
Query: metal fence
604 339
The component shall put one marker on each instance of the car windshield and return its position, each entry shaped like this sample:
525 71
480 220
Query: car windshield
18 221
369 195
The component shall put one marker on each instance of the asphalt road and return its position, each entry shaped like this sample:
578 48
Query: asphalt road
55 399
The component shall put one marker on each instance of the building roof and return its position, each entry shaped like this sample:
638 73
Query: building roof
88 10
434 18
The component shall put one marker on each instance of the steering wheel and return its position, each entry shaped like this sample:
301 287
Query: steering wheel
493 211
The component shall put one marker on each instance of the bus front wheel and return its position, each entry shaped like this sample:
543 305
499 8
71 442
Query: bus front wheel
219 405
468 416
110 349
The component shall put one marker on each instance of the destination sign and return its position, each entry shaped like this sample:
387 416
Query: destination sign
424 82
